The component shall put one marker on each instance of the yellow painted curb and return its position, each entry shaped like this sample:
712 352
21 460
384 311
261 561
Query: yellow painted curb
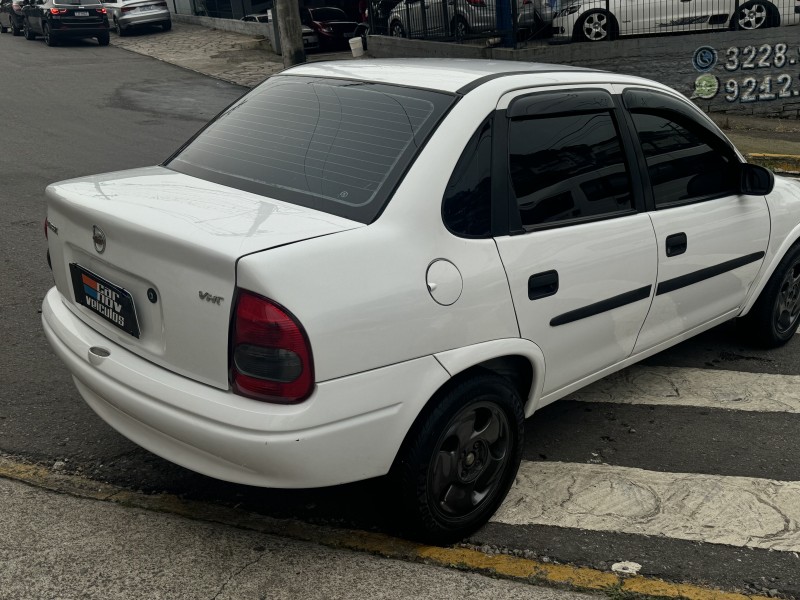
499 565
780 163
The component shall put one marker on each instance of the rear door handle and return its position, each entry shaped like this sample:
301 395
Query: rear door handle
542 285
676 244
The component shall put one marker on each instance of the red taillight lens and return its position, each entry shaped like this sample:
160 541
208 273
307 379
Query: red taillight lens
102 11
270 354
58 11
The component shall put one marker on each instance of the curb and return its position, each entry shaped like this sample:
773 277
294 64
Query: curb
466 559
782 164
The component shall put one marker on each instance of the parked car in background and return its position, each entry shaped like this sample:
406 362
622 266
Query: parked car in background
56 20
383 289
310 39
332 26
11 16
461 17
601 20
126 15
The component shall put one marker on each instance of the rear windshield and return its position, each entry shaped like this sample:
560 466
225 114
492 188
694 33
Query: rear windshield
332 145
328 14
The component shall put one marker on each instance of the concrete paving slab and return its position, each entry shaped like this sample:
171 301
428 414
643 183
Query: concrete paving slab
57 546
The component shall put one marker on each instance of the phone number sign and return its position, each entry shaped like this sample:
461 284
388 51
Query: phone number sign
749 73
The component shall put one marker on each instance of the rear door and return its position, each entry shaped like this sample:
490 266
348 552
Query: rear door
711 239
581 256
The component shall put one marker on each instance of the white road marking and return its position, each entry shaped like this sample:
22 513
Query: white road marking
736 511
696 387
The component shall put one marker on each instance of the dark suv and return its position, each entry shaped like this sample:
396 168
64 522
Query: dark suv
11 16
58 19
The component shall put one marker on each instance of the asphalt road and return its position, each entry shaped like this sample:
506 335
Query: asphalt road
82 109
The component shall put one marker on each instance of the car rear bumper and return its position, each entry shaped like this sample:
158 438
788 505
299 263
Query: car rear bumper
143 18
64 30
348 430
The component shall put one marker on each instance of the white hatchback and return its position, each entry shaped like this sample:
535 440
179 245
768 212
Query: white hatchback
382 267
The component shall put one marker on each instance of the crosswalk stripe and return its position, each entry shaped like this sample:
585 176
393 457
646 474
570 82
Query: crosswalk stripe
735 511
680 386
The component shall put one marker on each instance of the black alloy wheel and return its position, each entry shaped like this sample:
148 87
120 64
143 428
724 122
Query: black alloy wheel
3 28
775 316
396 29
460 458
48 36
26 30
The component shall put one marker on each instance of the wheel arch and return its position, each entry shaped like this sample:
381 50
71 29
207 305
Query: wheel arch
519 360
791 240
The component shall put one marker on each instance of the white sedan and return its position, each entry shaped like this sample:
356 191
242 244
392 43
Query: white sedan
600 20
365 268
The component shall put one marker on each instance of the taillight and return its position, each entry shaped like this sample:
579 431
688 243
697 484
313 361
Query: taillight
270 354
476 2
102 11
59 11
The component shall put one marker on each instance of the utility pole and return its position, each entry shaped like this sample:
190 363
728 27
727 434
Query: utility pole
290 31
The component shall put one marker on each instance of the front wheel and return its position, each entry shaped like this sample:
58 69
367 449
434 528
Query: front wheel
775 316
26 30
753 15
460 458
396 29
595 26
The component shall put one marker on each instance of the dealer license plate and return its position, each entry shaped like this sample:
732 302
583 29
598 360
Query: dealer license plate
103 298
81 13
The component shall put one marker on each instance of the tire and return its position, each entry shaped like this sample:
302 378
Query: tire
460 458
595 26
119 29
103 39
26 31
460 28
48 36
15 31
396 29
753 15
3 29
774 318
166 25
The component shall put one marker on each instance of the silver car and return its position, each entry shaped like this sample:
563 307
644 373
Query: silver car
600 20
462 17
125 15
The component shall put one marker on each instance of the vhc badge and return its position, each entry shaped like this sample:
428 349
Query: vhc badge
99 239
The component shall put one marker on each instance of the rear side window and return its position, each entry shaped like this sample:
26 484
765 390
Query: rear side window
333 145
568 167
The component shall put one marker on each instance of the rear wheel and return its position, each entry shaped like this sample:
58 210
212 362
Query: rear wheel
48 36
3 28
460 458
120 31
26 30
166 25
103 39
595 26
460 27
15 31
774 318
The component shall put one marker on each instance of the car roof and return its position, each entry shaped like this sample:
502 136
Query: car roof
446 75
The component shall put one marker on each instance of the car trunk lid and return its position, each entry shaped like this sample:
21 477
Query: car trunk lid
167 244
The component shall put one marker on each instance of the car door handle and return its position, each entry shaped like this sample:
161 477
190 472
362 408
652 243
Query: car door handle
676 244
542 285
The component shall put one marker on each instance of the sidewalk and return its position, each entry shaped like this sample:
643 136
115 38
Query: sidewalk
58 546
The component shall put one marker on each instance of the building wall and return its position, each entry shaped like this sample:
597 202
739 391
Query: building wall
738 71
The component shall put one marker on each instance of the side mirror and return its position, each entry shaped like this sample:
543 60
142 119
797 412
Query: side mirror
756 180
